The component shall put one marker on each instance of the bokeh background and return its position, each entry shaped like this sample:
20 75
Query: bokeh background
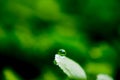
32 32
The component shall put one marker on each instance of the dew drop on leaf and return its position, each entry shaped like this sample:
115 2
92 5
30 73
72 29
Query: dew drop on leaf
62 52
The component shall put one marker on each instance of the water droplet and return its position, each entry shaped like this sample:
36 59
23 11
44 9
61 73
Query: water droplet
62 52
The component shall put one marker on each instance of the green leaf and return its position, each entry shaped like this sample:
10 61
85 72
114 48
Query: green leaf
10 74
104 77
72 69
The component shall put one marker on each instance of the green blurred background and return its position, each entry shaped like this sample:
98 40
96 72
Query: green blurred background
32 32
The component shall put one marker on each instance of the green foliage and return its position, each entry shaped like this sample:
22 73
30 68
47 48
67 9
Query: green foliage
32 31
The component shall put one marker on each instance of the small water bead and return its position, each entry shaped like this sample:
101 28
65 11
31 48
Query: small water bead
62 52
